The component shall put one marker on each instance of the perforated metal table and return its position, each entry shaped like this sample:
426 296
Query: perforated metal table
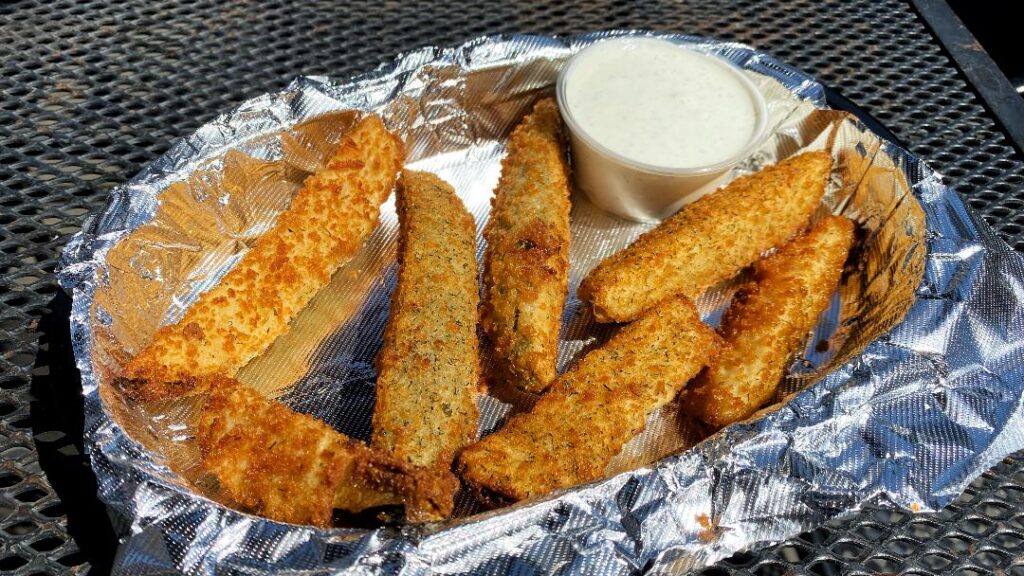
92 90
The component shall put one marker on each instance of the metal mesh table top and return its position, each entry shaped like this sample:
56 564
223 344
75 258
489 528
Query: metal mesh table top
92 90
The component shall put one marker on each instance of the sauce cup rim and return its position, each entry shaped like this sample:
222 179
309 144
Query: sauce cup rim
755 141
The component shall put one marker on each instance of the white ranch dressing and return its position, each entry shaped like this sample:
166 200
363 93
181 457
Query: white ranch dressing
657 103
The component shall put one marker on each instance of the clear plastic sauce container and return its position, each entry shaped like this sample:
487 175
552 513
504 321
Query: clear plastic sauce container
653 125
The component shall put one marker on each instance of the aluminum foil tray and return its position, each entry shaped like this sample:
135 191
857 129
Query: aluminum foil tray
921 389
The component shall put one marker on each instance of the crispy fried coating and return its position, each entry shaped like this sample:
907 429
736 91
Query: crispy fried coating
710 240
233 322
429 365
526 265
293 468
592 410
767 323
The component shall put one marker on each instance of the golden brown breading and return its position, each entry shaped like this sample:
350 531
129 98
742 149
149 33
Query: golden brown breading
710 240
769 321
592 410
429 365
237 319
293 468
526 265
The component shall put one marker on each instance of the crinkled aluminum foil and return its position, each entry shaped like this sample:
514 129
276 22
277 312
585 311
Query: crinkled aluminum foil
907 415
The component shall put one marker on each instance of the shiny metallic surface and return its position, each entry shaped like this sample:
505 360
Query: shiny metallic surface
910 416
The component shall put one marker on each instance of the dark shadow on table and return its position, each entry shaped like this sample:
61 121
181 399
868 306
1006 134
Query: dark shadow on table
57 426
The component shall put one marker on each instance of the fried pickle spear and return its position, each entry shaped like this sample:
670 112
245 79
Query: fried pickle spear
526 265
592 410
237 319
293 468
429 365
710 240
769 321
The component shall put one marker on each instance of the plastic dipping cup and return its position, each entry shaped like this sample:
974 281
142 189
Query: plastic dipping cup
654 125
